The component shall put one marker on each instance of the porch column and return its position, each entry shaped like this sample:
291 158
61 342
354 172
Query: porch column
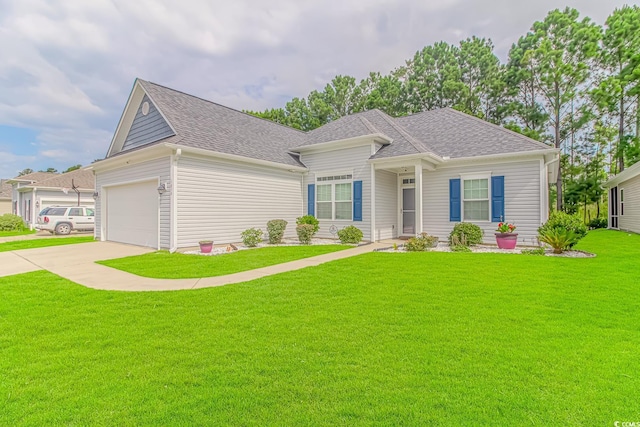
418 195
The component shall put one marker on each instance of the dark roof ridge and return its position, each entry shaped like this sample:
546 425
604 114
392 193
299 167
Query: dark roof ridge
418 145
503 129
220 105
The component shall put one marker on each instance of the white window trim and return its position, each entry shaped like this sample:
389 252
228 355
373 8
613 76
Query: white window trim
468 177
333 201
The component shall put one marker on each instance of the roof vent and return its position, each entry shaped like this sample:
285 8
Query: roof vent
145 108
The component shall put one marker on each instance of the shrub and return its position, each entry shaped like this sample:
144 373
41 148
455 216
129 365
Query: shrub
460 248
563 221
311 220
465 234
305 233
598 223
350 234
251 237
275 229
421 243
11 222
559 239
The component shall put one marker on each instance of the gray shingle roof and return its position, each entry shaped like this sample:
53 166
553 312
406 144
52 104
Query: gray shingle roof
447 133
34 176
5 189
454 134
204 124
81 178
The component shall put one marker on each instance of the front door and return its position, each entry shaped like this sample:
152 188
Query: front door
613 207
409 211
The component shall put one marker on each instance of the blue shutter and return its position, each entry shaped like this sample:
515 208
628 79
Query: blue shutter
454 200
311 199
497 198
357 200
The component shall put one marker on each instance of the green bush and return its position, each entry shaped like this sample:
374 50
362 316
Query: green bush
460 248
563 221
11 222
251 237
559 239
421 243
305 233
275 230
465 234
311 220
599 223
350 234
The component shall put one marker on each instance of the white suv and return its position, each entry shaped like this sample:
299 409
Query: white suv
63 219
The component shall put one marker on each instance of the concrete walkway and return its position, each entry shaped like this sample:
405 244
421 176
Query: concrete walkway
77 263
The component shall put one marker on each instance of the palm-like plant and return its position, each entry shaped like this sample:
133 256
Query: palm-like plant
559 239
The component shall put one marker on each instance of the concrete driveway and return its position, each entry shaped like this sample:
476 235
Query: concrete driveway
77 263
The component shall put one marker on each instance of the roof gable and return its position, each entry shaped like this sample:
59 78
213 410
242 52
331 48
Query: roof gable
148 126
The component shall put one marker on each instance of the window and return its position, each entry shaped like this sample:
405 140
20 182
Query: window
75 212
621 201
334 197
89 211
475 199
406 181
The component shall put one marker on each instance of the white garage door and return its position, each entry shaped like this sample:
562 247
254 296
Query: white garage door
132 214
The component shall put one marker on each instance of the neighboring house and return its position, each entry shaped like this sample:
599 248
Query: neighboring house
33 192
624 199
180 169
5 197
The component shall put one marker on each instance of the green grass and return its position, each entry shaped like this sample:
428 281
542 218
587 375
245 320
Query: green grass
43 243
385 339
16 233
165 265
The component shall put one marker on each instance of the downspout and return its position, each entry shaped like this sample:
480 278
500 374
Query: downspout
173 243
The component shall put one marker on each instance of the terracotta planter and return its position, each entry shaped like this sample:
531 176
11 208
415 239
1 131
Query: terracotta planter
205 247
507 240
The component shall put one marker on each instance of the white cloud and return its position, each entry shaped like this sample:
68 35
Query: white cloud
68 66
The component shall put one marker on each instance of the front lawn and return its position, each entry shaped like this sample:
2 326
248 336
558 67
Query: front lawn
16 233
43 243
384 339
165 265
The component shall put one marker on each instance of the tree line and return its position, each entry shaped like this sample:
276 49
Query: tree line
568 82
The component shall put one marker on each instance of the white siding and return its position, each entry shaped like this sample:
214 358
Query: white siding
5 206
522 199
52 197
630 221
220 199
386 205
350 159
154 169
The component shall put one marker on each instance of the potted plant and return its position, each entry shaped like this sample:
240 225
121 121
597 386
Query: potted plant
206 246
505 237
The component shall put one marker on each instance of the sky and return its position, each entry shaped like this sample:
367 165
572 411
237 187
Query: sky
68 66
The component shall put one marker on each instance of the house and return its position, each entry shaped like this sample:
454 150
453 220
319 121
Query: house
181 169
5 197
624 199
35 191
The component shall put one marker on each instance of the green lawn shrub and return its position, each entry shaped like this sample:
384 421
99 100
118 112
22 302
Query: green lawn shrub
251 237
421 243
311 220
350 234
11 222
559 239
465 234
305 233
564 221
598 223
275 230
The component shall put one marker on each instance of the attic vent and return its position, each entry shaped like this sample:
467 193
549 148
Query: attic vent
145 108
409 181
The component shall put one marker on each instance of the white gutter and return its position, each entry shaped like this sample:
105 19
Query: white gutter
345 143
